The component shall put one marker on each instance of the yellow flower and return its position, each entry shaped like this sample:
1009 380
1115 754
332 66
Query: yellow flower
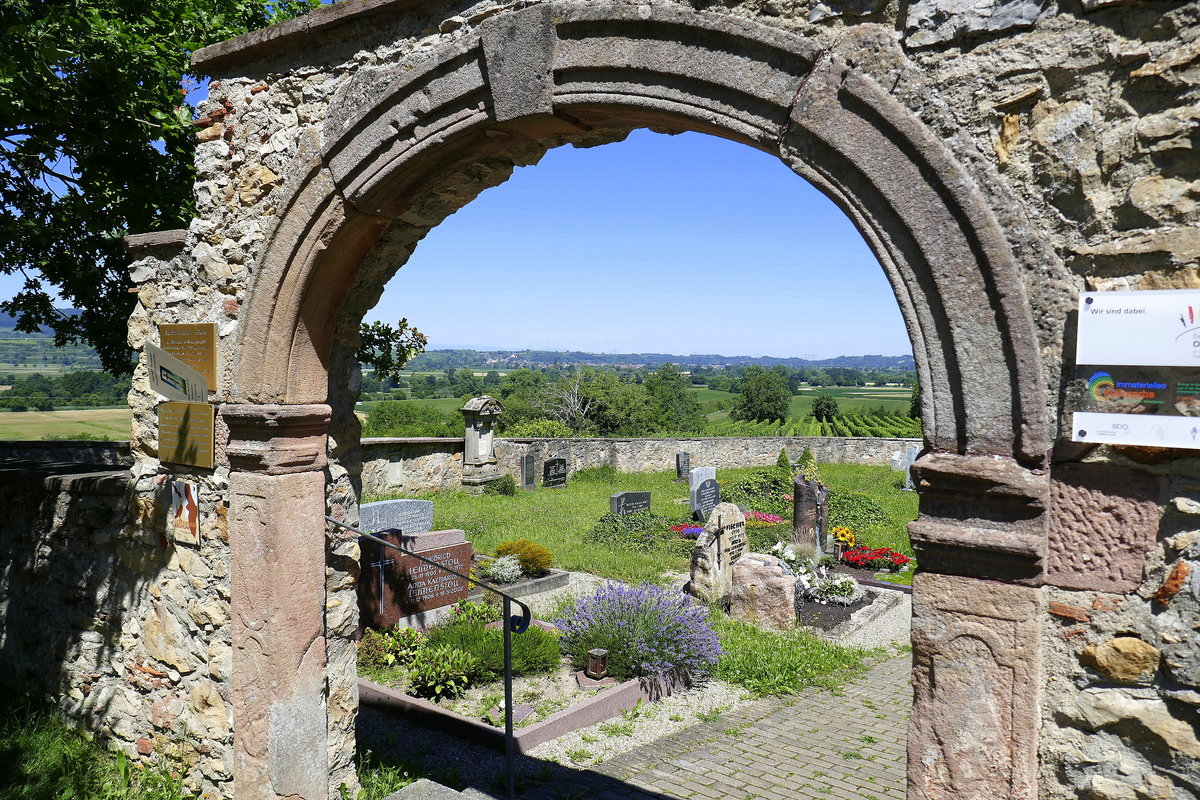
844 534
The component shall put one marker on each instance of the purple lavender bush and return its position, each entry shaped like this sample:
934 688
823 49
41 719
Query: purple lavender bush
647 631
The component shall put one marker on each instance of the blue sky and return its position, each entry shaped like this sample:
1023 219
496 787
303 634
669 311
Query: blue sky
672 244
678 244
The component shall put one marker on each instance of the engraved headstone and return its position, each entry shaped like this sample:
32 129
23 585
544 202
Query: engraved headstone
910 456
528 472
554 473
683 465
396 587
697 476
623 503
708 494
721 544
410 516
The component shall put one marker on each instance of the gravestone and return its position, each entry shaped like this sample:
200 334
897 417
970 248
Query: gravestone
683 465
554 473
708 495
721 544
397 588
810 513
623 503
528 472
910 456
697 476
410 516
764 592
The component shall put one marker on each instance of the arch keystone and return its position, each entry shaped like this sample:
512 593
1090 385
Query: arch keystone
518 51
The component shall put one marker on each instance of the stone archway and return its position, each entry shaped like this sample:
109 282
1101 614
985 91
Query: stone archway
335 142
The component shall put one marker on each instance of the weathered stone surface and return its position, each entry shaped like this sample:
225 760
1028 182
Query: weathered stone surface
518 50
1103 522
975 681
717 549
1124 659
410 516
934 21
1173 583
764 592
1152 721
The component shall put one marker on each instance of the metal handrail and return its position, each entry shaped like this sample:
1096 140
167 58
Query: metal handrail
513 623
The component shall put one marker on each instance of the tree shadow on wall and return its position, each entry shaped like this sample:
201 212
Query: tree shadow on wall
71 572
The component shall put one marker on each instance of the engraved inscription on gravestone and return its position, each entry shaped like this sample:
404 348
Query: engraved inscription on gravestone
554 473
697 476
410 516
683 465
395 585
708 494
623 503
721 544
528 472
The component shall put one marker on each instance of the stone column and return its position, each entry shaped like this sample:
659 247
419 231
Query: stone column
976 631
277 576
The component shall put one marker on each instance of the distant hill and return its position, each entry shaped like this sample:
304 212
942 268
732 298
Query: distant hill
457 359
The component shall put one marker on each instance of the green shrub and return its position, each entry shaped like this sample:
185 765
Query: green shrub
387 648
764 490
539 429
854 510
644 531
534 652
808 467
441 671
504 569
504 485
396 418
535 559
784 462
373 650
471 611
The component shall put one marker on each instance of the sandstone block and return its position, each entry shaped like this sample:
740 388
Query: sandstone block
1125 658
763 592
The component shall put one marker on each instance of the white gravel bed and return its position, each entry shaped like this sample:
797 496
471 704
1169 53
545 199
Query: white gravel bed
589 746
893 627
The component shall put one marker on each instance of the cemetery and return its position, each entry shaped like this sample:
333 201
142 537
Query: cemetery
1024 173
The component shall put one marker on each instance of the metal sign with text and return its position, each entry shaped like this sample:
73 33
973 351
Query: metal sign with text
1137 379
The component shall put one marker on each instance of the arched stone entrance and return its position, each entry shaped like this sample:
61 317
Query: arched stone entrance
346 136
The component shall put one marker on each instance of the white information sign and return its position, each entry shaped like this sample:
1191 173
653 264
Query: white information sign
1150 329
1138 362
174 379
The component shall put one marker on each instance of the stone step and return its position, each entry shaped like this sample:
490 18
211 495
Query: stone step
425 789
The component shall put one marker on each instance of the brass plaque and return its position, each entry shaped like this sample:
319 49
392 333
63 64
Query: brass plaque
194 345
185 434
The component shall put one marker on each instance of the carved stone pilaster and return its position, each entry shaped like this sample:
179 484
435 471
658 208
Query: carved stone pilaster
982 516
276 439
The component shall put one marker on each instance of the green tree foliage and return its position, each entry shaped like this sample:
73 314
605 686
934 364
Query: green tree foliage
824 408
399 418
673 407
96 142
389 348
914 404
765 396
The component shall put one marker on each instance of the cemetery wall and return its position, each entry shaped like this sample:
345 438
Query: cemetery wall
123 631
412 466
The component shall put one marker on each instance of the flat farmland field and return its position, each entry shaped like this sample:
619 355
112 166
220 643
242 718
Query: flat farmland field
105 423
853 399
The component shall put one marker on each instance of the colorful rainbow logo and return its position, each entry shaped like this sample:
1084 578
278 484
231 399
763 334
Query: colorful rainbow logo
1100 384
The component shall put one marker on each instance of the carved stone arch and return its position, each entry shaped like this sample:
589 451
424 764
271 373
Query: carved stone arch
569 72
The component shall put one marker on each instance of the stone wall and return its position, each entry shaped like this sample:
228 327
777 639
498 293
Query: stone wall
413 466
101 615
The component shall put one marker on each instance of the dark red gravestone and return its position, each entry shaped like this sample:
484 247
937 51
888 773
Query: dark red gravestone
395 586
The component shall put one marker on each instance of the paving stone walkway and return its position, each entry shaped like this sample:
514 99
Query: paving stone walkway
817 746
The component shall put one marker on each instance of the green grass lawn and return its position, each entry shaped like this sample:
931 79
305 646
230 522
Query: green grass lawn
705 395
106 423
562 519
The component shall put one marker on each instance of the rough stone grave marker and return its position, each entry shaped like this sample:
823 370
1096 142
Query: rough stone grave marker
910 456
721 544
554 473
810 512
528 472
683 465
623 503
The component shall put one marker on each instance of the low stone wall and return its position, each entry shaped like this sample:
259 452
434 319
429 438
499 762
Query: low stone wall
413 466
126 632
113 454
